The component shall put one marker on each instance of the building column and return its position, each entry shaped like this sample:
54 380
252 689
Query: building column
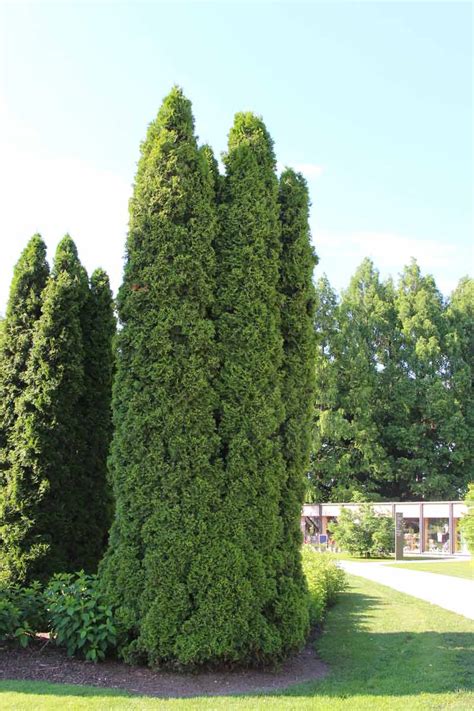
451 529
421 529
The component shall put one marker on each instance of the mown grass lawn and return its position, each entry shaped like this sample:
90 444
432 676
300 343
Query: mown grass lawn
386 650
456 568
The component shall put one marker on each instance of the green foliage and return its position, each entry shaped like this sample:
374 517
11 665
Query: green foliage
298 386
22 613
363 532
394 410
40 498
467 521
325 580
23 310
79 617
93 509
160 567
251 411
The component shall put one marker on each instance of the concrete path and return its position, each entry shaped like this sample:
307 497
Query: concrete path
455 594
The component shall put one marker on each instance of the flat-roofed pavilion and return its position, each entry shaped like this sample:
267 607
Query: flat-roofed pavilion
430 526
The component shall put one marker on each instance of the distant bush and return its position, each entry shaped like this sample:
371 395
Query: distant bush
363 532
466 524
324 579
79 617
22 613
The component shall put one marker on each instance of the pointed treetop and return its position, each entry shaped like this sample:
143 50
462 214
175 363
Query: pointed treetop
292 179
250 131
66 257
175 115
30 274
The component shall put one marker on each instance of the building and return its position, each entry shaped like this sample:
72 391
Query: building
430 526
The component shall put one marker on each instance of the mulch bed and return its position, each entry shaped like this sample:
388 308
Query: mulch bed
43 661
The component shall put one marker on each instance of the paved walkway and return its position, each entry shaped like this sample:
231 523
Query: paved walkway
455 594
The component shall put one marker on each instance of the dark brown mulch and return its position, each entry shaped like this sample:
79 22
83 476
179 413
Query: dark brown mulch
43 661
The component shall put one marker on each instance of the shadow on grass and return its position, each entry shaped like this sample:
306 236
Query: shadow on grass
362 662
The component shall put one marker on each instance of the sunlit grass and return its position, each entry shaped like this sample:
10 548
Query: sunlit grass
386 650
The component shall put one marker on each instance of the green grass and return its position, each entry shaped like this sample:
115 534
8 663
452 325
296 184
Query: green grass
456 568
386 650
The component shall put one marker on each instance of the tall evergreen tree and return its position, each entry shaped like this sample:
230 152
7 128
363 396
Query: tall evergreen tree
459 381
329 471
94 501
251 411
40 496
298 389
165 468
423 452
23 310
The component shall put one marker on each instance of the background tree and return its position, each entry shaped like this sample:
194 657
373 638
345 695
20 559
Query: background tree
23 310
363 532
458 374
94 500
467 521
167 476
298 388
40 497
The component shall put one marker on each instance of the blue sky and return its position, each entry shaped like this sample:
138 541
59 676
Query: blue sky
371 100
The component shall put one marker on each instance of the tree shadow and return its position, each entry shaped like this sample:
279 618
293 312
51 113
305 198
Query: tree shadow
362 662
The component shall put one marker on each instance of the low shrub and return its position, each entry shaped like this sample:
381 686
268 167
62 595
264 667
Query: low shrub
22 613
325 580
363 532
79 617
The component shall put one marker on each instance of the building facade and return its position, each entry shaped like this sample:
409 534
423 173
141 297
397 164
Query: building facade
429 526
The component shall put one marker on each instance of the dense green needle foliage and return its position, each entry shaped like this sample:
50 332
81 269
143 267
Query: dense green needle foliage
23 310
40 496
250 401
298 389
93 509
394 405
166 472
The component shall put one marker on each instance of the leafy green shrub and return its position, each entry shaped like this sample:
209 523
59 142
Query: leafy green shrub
466 524
324 579
22 613
80 619
363 532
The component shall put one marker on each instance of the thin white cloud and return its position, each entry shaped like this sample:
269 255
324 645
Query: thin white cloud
53 196
311 171
390 252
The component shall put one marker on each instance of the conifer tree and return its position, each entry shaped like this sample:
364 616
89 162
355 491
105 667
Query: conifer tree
251 411
329 458
94 501
422 452
164 458
40 497
23 310
298 389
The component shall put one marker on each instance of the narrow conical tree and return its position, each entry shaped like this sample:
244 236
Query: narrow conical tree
23 310
298 389
164 462
41 493
251 411
94 502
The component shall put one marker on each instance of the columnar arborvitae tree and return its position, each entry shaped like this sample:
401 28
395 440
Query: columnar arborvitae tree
94 501
41 496
251 410
23 310
164 457
298 389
